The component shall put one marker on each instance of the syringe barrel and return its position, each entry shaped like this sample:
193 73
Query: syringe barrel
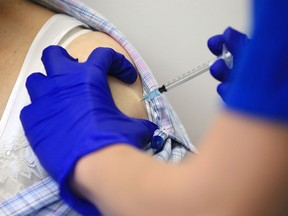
188 76
226 56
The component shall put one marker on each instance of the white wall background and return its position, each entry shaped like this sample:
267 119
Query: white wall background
172 35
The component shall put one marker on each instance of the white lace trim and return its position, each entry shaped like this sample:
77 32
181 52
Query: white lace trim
19 167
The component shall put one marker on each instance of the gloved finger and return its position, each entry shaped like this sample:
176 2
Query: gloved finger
222 90
57 61
215 44
37 85
234 40
219 70
113 63
150 126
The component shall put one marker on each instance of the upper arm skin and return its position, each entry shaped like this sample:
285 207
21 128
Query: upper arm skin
127 97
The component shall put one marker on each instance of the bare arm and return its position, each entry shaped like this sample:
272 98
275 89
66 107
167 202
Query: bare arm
15 41
242 170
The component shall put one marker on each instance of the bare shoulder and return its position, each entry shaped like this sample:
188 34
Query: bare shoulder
83 45
17 31
127 97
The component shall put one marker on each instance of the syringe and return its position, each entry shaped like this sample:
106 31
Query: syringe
226 56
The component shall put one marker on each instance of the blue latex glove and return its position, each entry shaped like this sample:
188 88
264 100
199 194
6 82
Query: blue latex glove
259 85
235 42
73 114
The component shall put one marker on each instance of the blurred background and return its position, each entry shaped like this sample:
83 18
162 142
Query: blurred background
171 35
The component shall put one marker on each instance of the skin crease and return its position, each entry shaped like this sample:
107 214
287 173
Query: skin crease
17 31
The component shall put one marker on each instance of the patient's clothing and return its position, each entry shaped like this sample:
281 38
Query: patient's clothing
19 167
25 188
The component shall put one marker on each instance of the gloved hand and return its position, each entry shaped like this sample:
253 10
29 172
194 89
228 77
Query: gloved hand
234 42
73 114
259 85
